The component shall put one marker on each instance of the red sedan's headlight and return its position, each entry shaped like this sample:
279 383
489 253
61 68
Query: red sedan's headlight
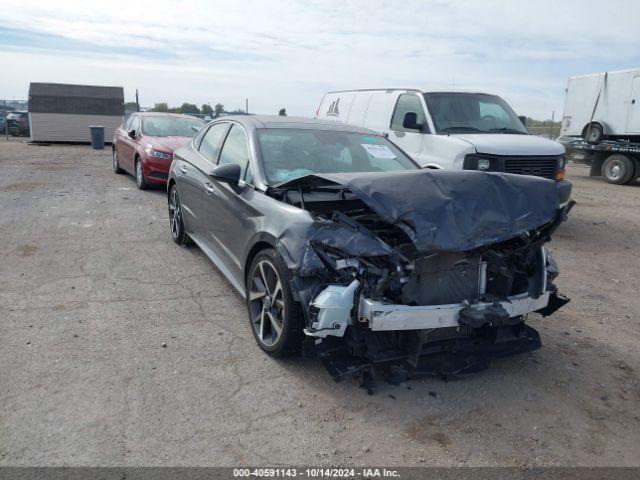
158 154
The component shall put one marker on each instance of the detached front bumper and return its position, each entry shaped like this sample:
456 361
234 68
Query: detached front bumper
385 317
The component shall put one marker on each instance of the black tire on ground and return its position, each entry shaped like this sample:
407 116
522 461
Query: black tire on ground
618 169
140 180
176 223
636 170
115 163
276 320
593 133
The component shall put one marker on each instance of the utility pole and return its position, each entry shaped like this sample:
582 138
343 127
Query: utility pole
553 116
137 102
246 106
6 126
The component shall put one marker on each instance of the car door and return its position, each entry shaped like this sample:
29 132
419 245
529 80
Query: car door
226 208
128 146
119 139
193 173
409 139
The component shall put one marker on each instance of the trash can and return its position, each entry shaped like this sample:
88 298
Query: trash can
97 137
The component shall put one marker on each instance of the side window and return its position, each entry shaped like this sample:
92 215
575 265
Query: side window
198 136
235 149
135 124
210 146
407 102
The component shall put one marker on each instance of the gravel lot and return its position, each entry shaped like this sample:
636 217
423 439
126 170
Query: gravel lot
91 286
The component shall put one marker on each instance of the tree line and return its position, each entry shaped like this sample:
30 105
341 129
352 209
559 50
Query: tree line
192 109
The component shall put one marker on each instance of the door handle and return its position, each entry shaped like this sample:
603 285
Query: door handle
183 170
209 189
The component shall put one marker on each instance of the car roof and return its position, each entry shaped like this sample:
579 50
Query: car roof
165 114
257 122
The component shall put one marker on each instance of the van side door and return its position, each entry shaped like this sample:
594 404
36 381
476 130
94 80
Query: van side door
633 117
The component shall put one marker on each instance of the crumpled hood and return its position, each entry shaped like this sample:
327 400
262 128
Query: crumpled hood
511 144
451 210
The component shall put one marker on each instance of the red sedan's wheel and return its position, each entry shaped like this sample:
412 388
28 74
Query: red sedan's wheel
141 182
116 164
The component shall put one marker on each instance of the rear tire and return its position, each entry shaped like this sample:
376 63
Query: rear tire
636 171
176 223
141 182
593 133
116 164
618 169
275 318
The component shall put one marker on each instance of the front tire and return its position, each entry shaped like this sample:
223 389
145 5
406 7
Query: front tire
115 163
618 169
275 318
176 223
141 182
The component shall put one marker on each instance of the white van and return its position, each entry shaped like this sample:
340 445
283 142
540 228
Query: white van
451 130
603 105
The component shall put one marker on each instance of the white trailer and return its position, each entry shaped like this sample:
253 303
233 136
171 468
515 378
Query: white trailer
603 106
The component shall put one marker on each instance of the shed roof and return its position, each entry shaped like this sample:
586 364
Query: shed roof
78 99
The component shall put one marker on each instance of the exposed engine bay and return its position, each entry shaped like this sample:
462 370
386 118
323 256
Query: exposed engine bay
423 273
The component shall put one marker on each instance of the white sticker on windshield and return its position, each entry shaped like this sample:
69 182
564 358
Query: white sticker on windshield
378 151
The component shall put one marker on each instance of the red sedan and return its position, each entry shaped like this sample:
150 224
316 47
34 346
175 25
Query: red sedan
143 145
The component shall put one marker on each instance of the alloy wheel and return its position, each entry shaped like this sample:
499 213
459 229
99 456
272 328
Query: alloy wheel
174 213
139 175
266 303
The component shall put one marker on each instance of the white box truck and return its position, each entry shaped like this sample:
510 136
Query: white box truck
606 105
451 130
601 123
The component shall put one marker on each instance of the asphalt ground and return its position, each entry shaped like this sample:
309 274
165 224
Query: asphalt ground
92 287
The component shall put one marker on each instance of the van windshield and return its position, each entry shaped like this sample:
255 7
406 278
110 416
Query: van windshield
472 113
289 153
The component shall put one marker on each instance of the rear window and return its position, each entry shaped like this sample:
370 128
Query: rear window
159 126
292 153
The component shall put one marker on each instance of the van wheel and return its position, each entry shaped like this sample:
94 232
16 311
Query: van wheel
593 133
618 169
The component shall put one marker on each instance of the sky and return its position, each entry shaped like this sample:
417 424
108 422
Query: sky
287 54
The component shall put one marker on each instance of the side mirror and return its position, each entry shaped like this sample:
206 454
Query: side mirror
132 133
523 120
410 121
228 173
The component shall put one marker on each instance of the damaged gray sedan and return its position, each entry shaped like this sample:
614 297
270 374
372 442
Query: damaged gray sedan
345 249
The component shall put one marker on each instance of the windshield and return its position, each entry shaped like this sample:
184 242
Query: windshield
291 153
160 126
472 113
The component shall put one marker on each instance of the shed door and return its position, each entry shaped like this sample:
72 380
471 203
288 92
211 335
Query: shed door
633 118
